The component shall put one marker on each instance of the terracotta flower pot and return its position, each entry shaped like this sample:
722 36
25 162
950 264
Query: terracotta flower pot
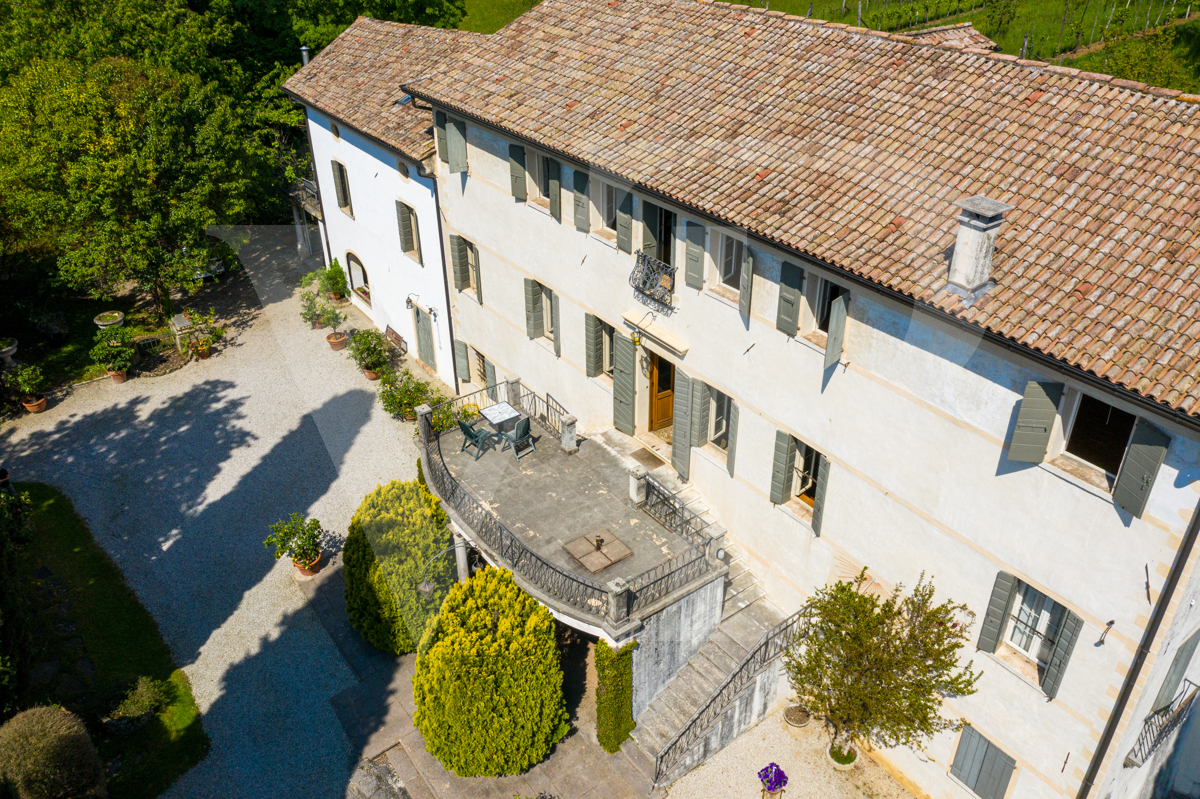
117 376
334 297
842 766
318 325
370 374
34 403
337 341
201 350
309 569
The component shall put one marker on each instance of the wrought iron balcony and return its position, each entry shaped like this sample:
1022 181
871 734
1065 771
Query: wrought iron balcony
653 278
1161 723
304 193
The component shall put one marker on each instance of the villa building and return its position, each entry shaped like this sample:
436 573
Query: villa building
922 309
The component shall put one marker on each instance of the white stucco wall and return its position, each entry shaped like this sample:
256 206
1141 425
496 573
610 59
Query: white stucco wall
373 234
914 421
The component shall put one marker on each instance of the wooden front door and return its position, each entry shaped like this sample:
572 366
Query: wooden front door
662 392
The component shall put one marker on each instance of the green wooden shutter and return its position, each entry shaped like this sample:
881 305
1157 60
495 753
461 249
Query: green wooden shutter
625 223
405 221
731 452
650 213
554 187
839 309
339 185
746 286
416 231
456 141
968 758
462 366
693 270
1035 420
439 131
1147 449
1064 644
593 346
681 432
458 262
1179 665
701 399
516 171
791 289
474 265
1004 592
782 468
818 516
534 327
489 377
994 774
555 325
624 383
583 216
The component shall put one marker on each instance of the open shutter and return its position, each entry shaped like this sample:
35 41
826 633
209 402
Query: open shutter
791 289
593 346
701 399
516 171
681 433
456 143
554 187
439 132
462 366
746 286
339 185
555 325
416 231
1179 665
405 220
474 264
489 377
650 213
625 223
458 262
782 468
839 308
583 216
996 771
1147 449
968 758
1035 420
624 387
1063 646
818 515
1004 591
533 309
731 452
693 270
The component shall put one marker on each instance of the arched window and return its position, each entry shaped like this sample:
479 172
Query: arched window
360 284
335 130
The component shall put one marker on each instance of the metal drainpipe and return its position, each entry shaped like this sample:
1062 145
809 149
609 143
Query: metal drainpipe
1139 658
437 206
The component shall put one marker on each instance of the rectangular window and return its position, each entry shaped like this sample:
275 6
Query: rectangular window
1034 624
606 337
982 766
722 410
608 208
1100 434
534 164
827 292
472 268
341 185
731 262
804 482
548 313
480 373
544 176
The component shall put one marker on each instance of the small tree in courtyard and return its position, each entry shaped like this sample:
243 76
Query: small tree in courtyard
878 668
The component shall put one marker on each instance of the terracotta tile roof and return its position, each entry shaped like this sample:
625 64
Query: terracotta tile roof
852 146
963 33
357 79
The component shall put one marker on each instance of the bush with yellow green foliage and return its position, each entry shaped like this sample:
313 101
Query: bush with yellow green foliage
396 531
488 685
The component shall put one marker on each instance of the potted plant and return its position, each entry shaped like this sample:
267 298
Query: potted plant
368 348
310 309
841 756
335 281
773 780
298 539
8 348
109 319
332 317
25 381
402 393
205 331
113 352
797 715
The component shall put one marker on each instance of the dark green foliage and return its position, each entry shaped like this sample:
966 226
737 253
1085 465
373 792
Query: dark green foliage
46 753
300 540
421 475
488 685
114 348
844 756
369 602
369 350
614 694
318 22
15 638
146 697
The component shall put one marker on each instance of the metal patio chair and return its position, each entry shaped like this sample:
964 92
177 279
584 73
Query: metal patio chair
519 436
474 438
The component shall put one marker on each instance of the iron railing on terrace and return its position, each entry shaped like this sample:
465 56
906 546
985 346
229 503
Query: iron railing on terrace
670 511
666 578
653 278
769 647
304 192
1161 723
545 410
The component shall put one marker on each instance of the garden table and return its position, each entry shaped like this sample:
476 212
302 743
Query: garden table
501 416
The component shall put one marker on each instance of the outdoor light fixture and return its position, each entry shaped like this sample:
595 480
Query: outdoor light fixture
637 338
424 586
1104 634
408 301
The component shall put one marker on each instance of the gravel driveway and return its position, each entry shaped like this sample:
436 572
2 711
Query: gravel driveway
179 477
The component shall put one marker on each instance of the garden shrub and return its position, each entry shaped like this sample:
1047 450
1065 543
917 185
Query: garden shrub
488 684
147 696
46 753
614 694
397 531
15 639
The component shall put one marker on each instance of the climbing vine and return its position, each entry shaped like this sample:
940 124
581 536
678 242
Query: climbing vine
614 694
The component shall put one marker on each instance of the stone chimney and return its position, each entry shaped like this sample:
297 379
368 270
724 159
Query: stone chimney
304 55
981 218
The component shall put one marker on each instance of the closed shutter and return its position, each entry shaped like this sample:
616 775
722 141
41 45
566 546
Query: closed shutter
818 516
593 346
405 220
1147 449
1064 644
782 468
462 366
458 262
489 377
650 213
1035 420
555 325
839 309
624 387
731 453
533 309
1179 665
474 264
681 432
554 187
968 758
1004 591
339 185
439 131
746 286
516 171
425 348
791 289
625 223
456 141
693 270
701 400
583 216
994 774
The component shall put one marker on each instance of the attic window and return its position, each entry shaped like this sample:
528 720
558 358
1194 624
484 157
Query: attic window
405 99
402 168
1100 434
335 130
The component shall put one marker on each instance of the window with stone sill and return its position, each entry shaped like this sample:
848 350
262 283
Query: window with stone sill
1030 632
721 411
730 265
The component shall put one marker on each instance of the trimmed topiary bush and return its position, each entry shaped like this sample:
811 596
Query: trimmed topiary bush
46 753
393 541
488 685
614 694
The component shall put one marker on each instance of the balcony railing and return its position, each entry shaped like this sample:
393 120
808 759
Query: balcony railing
670 511
1161 723
304 192
653 278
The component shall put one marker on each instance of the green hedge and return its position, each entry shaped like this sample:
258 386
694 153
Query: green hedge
15 640
614 694
397 530
488 684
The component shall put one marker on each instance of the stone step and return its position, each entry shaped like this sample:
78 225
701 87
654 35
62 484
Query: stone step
698 678
738 584
681 703
645 739
640 775
721 661
659 722
690 689
740 601
746 627
765 613
728 645
736 569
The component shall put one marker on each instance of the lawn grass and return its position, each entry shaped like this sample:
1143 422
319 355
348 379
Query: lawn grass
489 16
121 640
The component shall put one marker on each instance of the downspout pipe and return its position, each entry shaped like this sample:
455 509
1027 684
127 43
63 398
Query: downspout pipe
437 205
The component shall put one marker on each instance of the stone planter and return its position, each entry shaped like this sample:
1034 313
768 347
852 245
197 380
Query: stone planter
34 403
797 716
337 341
109 319
842 766
8 351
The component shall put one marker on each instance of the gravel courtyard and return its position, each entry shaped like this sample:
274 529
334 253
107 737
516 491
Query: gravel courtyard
179 477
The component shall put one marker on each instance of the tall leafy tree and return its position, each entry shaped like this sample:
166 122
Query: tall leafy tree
318 22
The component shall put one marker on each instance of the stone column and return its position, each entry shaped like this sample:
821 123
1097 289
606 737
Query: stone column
569 444
298 220
460 555
618 601
637 484
514 391
424 423
714 549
